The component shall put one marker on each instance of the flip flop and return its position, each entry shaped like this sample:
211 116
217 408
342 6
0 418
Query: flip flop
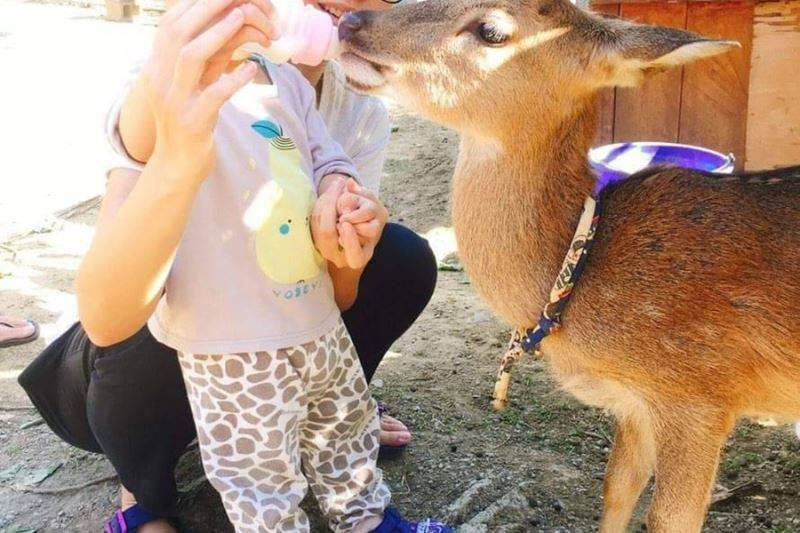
7 328
388 451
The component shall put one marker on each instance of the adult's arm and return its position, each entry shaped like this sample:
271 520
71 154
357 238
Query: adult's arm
137 123
122 275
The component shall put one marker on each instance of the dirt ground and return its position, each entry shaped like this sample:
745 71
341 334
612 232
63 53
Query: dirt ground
536 467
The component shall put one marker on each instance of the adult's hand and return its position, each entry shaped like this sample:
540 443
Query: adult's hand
362 218
183 78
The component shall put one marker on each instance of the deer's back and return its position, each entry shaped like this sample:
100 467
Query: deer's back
694 280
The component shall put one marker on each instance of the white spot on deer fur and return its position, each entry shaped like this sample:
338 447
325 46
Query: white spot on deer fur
630 71
694 51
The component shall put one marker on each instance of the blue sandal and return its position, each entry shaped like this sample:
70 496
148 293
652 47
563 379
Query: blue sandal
388 451
394 523
129 520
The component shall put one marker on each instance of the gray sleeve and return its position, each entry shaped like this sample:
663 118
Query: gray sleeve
119 156
327 155
370 154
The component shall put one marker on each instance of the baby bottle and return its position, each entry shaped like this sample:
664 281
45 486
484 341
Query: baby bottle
307 36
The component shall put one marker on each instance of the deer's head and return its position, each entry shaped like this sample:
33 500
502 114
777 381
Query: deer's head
487 64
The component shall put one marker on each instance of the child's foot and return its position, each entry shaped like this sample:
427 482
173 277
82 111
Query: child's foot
394 523
394 432
797 429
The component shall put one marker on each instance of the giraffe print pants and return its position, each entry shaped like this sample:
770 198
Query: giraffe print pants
264 419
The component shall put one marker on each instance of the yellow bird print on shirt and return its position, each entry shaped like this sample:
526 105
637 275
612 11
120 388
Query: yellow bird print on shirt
284 248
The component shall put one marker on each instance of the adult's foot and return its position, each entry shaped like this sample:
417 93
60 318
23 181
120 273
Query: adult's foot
393 432
15 331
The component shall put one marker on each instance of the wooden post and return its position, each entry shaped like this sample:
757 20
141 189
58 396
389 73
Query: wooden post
121 10
773 126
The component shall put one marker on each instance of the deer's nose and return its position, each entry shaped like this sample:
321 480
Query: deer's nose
350 24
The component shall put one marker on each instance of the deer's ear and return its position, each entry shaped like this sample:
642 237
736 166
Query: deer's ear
637 51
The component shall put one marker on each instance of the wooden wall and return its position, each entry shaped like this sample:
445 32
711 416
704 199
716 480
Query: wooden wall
705 103
773 128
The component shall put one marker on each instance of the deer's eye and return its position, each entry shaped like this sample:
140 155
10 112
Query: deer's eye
491 34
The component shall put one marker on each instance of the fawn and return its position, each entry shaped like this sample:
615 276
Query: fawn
687 315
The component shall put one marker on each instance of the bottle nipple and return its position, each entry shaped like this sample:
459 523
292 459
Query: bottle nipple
308 36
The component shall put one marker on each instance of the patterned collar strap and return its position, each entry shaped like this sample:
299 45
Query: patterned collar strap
568 276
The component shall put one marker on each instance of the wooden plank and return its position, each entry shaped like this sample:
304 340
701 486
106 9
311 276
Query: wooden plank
715 91
651 112
606 99
773 128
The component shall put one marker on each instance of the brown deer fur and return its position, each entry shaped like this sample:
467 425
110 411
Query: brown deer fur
688 313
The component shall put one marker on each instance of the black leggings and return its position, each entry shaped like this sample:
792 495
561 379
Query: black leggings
128 401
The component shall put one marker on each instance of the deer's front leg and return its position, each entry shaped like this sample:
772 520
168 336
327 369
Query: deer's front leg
628 471
688 447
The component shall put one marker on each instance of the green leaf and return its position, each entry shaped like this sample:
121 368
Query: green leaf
37 475
267 129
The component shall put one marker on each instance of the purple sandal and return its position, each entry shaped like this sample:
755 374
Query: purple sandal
129 520
394 523
388 451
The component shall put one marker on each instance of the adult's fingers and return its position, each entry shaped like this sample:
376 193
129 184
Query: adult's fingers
347 203
266 7
216 94
200 15
371 231
175 12
353 186
353 251
380 210
221 61
193 56
365 212
255 16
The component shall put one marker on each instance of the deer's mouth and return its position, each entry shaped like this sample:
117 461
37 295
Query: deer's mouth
363 74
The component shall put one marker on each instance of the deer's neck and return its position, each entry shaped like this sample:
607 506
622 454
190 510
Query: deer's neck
515 206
